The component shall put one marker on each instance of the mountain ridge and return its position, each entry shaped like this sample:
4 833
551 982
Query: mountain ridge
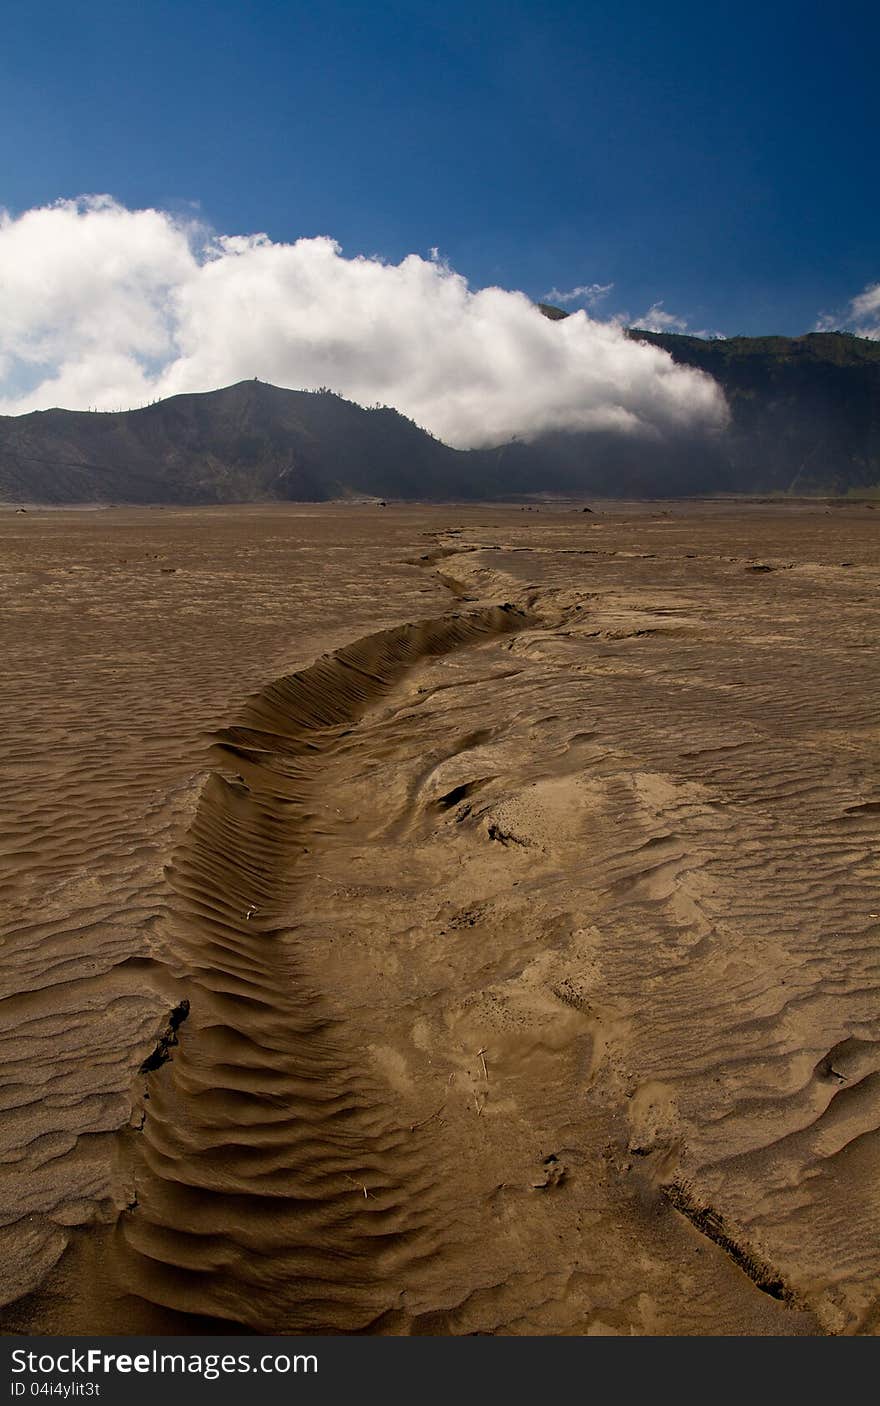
805 411
247 442
805 417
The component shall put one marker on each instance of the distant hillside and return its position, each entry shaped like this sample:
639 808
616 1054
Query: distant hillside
247 442
805 410
252 441
805 418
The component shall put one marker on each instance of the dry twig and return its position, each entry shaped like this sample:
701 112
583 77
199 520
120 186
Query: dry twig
358 1184
430 1118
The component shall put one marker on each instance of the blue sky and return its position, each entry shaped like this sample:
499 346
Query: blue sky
718 158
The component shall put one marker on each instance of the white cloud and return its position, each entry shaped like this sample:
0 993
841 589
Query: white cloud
866 307
110 307
862 315
587 293
657 319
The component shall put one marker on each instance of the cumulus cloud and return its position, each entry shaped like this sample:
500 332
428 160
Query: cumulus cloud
657 319
587 293
109 307
862 315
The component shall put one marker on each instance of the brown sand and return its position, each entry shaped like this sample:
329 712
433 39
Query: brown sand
440 921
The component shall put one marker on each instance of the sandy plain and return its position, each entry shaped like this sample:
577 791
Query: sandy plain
440 920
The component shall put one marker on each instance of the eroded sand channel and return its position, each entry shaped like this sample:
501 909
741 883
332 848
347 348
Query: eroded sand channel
533 991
